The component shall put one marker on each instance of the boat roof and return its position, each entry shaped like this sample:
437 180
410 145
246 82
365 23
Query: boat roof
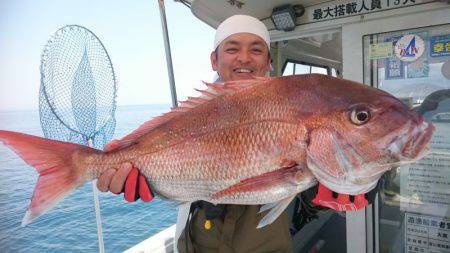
319 48
213 12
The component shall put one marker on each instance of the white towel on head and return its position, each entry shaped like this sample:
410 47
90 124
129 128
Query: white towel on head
241 24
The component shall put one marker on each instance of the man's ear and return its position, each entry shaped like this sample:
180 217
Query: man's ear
213 58
269 63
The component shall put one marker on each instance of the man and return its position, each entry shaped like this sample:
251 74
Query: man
241 51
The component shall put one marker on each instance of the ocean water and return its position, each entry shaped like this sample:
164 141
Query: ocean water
70 226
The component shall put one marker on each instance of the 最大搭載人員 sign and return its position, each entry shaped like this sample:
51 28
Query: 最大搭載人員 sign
347 8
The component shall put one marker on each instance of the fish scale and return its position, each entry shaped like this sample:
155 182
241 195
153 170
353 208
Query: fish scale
234 154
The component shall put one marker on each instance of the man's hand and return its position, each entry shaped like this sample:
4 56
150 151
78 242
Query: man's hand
113 180
126 179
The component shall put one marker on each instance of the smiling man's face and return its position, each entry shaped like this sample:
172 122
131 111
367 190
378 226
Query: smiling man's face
241 56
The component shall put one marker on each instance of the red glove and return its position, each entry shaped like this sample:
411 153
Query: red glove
342 202
136 186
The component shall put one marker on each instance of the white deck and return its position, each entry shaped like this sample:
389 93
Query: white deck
162 242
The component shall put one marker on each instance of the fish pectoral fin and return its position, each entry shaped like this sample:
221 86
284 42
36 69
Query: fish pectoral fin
276 209
260 183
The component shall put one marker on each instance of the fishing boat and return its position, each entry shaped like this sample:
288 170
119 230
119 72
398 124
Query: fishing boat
401 46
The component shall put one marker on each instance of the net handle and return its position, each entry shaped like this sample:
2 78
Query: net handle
98 217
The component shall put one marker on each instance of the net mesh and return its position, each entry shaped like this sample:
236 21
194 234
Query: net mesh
78 88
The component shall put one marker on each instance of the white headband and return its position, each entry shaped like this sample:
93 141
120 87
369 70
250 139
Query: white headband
241 24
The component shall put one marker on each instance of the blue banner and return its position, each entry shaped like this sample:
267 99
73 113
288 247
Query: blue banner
440 45
419 67
394 68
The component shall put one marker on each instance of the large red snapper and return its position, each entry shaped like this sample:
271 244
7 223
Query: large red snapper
246 142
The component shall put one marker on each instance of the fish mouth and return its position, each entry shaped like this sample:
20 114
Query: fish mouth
360 176
413 143
410 145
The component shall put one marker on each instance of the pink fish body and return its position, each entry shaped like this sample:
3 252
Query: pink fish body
247 142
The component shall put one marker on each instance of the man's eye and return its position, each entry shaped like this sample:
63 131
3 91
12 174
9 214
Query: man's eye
231 50
257 50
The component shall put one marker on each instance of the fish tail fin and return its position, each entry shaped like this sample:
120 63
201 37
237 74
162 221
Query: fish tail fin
53 161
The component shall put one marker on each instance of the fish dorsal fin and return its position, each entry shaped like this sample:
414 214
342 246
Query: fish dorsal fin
213 91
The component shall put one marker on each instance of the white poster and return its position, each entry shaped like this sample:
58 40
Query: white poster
425 185
426 234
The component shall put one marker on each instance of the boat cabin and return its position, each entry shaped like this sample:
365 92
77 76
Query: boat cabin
400 46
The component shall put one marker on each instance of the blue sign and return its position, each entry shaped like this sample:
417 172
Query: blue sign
394 68
440 45
419 67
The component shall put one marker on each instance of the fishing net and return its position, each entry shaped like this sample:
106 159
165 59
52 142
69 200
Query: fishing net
78 88
77 96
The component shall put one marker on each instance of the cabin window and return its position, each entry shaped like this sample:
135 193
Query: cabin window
297 68
334 72
319 70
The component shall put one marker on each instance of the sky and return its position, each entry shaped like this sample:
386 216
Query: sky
131 32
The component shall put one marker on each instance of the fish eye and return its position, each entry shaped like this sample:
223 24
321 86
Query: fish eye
360 116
